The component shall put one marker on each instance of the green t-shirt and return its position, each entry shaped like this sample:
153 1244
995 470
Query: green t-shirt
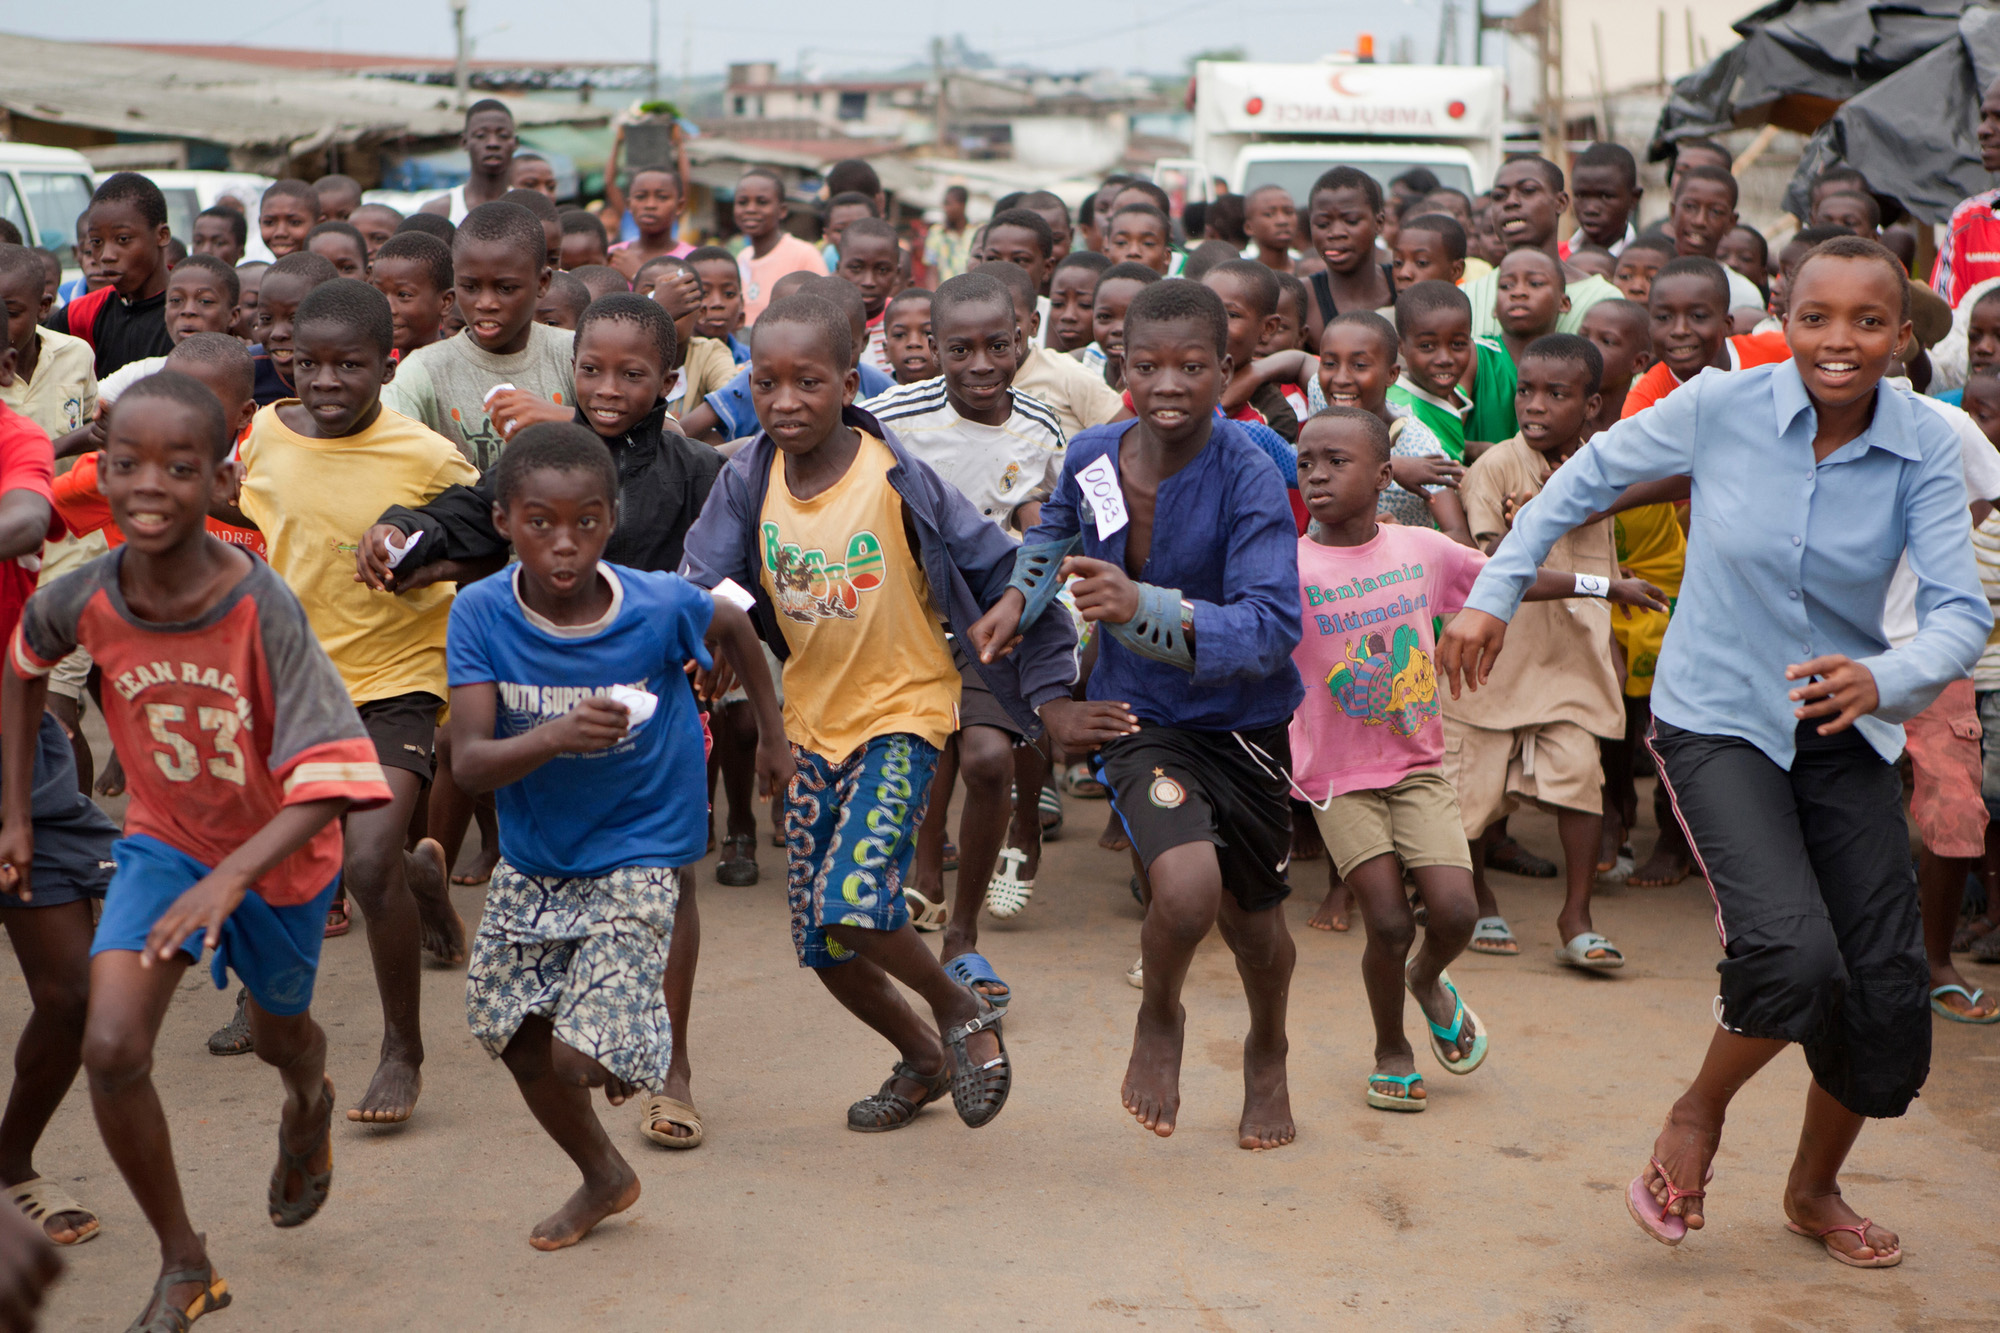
1445 419
1492 415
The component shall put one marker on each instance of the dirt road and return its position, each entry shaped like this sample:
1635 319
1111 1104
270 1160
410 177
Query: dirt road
1499 1208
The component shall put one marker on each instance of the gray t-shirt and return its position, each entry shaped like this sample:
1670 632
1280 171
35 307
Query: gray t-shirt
445 386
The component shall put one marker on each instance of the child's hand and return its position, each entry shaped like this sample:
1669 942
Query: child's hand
775 766
1835 686
1510 505
1411 473
1637 592
678 293
712 684
204 907
994 635
371 557
511 409
595 724
17 855
1469 645
1102 591
1080 727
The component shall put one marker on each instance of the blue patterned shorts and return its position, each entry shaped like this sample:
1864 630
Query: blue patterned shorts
850 832
589 955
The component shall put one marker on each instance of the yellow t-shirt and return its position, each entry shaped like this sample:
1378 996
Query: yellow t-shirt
1651 545
868 655
314 499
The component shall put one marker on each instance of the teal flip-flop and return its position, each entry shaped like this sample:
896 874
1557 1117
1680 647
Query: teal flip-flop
1383 1101
1444 1040
1972 999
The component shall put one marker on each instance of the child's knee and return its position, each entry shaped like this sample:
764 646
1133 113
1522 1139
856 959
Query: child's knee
63 998
367 867
985 760
573 1067
115 1058
1394 929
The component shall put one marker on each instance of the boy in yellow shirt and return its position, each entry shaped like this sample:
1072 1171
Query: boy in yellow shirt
317 470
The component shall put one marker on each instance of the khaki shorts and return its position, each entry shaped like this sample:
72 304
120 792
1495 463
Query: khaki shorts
1555 764
58 559
1417 819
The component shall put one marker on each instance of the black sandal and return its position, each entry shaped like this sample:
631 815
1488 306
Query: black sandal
978 1091
165 1318
1511 857
233 1037
889 1109
738 867
316 1184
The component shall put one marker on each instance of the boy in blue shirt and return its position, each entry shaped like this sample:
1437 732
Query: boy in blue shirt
568 697
1190 561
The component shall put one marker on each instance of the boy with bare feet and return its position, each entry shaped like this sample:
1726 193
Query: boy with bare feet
1367 743
1197 631
251 753
859 555
317 470
569 698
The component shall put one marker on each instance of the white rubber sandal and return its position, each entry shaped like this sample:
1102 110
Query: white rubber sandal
1007 893
1577 953
927 916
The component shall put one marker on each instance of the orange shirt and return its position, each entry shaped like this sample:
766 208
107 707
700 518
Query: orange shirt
1746 350
84 510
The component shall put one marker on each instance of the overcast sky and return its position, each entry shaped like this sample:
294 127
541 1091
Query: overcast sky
861 34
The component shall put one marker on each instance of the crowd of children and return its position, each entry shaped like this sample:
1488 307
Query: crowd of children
546 519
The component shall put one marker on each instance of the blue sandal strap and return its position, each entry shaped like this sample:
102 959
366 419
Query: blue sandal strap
969 968
1452 1033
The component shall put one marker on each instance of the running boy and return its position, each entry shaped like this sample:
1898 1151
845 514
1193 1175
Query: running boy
1368 748
816 516
287 212
1532 735
252 753
1001 450
317 470
1201 649
551 670
125 319
414 271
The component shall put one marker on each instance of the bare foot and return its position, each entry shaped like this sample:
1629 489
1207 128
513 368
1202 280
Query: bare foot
482 865
1113 838
1267 1099
1816 1214
1609 844
1667 865
591 1204
442 932
111 782
1152 1091
1332 914
392 1093
1686 1146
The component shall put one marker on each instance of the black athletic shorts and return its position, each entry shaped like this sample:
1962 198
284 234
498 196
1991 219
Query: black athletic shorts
404 729
72 836
977 706
1171 787
1815 901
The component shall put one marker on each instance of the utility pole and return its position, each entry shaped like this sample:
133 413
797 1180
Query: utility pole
1448 33
1552 83
461 73
937 72
653 84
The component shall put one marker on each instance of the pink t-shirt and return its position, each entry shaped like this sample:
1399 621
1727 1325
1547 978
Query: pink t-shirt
789 255
1371 711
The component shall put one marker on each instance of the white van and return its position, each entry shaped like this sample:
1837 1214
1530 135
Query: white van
43 191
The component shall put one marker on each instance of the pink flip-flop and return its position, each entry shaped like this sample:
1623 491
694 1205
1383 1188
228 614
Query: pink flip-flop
1652 1215
1860 1230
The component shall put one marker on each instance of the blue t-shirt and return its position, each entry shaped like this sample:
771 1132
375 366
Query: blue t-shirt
643 801
732 407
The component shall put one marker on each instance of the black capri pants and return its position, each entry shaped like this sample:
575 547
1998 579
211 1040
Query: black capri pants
1816 903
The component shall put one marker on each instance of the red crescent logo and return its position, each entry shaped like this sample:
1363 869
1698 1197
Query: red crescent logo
1334 82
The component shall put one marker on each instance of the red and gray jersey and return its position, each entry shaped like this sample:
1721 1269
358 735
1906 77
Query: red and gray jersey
222 720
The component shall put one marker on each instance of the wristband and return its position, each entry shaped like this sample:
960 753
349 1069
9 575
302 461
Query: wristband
1037 572
1592 585
1160 628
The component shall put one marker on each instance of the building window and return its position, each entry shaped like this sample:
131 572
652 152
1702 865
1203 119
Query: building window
853 106
739 106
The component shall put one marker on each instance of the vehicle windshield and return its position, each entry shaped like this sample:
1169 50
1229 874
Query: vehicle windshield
1298 175
182 206
58 200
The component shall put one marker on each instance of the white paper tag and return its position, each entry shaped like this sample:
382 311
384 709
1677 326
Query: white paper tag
1099 484
399 549
639 703
487 401
730 591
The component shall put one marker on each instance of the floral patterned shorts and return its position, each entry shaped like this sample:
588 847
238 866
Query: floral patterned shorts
850 833
589 955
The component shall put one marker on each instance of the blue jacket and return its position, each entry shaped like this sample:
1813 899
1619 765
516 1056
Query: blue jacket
1223 534
965 557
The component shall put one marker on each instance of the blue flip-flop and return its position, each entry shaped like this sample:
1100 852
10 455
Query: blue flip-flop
1444 1040
1383 1101
1972 999
968 969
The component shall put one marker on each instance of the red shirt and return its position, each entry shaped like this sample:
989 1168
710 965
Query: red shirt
27 463
1745 350
222 720
1970 251
84 510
